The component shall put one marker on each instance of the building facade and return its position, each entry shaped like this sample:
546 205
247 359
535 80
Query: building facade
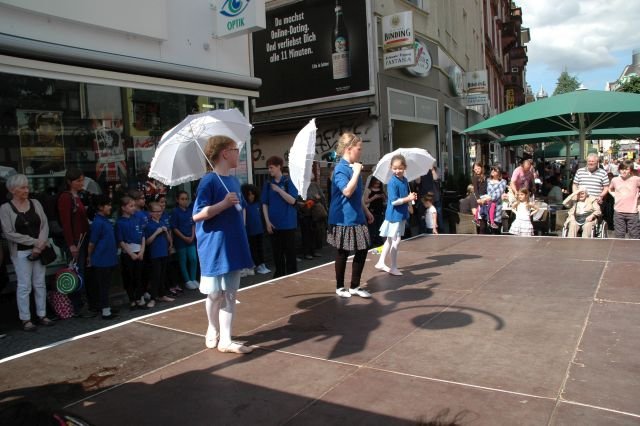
506 58
94 87
306 76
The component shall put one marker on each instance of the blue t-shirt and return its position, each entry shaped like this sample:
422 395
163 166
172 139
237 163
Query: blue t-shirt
397 188
160 245
105 253
182 220
254 219
222 240
143 217
342 210
282 215
129 230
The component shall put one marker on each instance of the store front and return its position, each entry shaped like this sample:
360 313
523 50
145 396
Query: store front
110 131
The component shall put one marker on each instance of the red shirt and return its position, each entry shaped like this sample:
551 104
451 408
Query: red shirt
73 217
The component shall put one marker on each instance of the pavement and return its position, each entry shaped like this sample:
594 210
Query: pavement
483 330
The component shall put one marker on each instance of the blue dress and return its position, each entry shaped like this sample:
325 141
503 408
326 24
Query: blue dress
222 240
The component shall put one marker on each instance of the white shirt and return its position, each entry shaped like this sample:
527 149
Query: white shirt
428 217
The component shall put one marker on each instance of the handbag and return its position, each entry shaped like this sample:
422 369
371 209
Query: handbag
61 304
48 255
318 212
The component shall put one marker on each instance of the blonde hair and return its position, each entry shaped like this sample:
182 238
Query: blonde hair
215 145
398 157
347 140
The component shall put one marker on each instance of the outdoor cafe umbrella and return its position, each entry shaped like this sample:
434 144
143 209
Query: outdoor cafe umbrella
180 156
419 162
301 157
582 112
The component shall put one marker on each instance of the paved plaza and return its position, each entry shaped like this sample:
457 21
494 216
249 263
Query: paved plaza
485 330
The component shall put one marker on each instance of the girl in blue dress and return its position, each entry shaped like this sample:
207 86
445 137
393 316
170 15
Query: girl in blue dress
184 231
396 214
348 216
221 237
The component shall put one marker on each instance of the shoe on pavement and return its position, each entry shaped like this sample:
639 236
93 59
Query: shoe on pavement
211 339
243 273
262 269
395 272
235 348
343 292
192 285
360 292
382 267
250 271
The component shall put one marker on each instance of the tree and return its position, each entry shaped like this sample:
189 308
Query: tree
566 83
632 85
615 147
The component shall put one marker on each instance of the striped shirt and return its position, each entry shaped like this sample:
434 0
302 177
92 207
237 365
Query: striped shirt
594 182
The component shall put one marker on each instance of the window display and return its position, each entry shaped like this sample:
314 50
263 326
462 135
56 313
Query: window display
108 132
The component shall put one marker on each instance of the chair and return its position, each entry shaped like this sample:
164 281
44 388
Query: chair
561 218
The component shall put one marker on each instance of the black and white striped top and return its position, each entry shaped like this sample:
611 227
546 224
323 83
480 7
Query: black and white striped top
594 182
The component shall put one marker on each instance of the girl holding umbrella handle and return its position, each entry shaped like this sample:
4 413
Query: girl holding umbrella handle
348 216
223 247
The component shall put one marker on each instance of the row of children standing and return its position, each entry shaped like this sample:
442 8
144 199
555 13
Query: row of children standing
145 239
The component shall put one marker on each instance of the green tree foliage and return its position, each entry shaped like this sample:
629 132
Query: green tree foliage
632 85
566 83
615 148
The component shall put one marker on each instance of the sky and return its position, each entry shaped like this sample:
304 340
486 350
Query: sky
592 39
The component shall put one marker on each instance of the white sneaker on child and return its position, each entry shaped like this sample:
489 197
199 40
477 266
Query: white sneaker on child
250 271
360 292
343 292
262 269
192 285
243 273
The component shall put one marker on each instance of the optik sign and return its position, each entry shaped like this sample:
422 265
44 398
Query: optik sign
236 17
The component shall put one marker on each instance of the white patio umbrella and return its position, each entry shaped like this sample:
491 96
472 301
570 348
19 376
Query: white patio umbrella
301 157
419 162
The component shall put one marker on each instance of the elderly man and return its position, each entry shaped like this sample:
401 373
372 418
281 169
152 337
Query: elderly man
593 178
523 177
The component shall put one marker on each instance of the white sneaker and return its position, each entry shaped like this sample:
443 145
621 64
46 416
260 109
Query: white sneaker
211 339
250 271
343 292
360 292
243 273
192 285
381 267
262 269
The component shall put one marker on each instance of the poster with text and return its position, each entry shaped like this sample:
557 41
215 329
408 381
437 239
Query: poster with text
312 50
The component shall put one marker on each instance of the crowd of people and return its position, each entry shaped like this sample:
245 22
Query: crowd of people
596 194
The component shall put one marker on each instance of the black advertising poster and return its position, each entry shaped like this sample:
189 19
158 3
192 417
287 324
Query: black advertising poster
311 50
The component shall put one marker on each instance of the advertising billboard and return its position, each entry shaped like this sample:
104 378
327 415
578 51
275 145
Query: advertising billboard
312 50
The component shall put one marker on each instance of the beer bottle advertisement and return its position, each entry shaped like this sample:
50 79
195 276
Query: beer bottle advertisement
312 50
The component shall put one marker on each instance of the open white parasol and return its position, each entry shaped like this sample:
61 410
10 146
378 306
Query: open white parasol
301 158
419 162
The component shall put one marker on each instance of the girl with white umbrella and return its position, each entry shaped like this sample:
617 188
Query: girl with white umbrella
223 247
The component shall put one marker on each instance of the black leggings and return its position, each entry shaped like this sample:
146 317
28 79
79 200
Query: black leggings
356 268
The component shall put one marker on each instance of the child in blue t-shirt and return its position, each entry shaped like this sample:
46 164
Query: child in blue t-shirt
396 215
102 252
184 230
223 247
130 239
255 229
165 220
158 241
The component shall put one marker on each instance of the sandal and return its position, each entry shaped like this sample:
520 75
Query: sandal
28 326
46 322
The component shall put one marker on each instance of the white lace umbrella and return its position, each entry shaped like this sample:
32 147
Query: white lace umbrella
419 162
180 157
301 158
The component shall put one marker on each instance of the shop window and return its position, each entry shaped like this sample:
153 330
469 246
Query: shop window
110 133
